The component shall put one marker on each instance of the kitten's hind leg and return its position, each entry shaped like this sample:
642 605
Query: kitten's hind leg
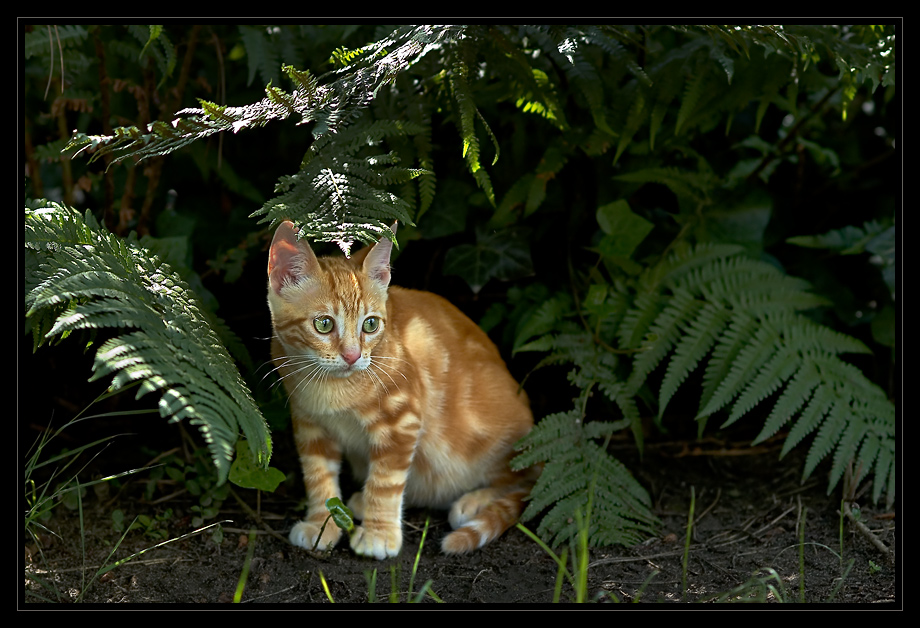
469 505
481 516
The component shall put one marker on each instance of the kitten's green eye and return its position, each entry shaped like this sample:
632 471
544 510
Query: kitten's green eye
371 324
323 324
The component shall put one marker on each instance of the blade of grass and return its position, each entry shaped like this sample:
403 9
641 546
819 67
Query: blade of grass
394 596
559 561
560 573
418 556
244 574
322 579
371 577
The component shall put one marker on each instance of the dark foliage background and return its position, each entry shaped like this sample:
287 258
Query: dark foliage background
709 135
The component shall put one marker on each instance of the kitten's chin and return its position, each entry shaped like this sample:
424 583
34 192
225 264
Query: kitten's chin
346 371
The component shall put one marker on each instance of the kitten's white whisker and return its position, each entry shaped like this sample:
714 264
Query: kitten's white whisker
384 370
378 367
381 366
376 380
288 361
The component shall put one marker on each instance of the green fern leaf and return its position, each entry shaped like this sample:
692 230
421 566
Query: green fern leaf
667 328
885 474
636 322
693 93
93 279
774 374
828 434
636 118
818 406
576 470
700 337
845 452
542 445
749 359
795 395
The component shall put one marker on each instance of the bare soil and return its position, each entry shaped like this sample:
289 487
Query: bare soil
746 514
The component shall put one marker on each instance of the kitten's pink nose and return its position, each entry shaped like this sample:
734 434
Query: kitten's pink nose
351 356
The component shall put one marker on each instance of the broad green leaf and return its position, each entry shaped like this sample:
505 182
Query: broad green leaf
246 472
500 255
624 230
342 515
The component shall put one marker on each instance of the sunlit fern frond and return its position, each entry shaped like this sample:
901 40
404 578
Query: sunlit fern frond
89 279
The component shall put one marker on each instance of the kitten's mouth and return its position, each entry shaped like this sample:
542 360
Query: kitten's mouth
347 371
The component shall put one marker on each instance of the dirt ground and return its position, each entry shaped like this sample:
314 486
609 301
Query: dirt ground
744 547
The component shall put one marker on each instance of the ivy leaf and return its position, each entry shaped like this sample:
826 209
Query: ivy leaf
624 230
503 255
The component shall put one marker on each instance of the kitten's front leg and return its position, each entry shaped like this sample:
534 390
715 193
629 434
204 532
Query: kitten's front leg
321 460
379 505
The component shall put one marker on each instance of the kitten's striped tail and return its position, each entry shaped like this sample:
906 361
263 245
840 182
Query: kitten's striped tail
482 516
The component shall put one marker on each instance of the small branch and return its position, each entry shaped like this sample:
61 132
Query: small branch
884 549
793 132
256 517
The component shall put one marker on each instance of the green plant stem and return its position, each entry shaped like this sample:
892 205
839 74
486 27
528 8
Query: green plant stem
560 572
244 575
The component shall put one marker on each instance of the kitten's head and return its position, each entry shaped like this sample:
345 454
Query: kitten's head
328 311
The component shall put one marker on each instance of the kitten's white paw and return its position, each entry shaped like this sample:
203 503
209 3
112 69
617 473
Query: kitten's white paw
304 534
379 543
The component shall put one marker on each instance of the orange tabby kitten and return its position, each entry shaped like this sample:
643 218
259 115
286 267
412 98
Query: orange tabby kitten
409 389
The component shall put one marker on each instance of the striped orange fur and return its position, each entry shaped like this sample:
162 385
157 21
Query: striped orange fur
403 386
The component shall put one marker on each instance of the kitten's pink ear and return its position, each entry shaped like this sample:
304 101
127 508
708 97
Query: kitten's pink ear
288 259
377 262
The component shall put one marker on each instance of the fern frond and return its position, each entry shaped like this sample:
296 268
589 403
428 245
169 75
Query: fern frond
467 114
638 113
740 316
39 42
567 47
575 466
693 94
828 434
544 445
637 320
330 105
684 184
700 336
774 374
667 328
338 195
102 281
794 396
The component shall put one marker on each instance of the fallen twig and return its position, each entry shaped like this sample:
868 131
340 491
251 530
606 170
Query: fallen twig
877 542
